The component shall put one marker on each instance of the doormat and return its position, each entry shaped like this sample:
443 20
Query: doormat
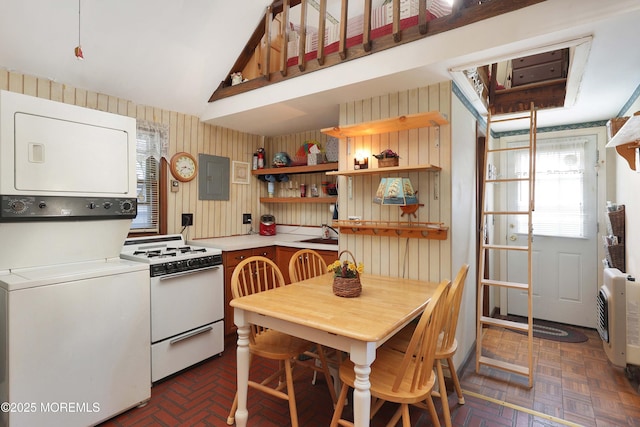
550 330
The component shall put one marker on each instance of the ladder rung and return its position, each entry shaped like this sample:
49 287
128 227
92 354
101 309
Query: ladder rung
506 213
508 180
521 147
523 116
513 285
506 247
509 324
506 366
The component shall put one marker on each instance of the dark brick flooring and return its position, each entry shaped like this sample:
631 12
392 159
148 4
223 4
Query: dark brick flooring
573 382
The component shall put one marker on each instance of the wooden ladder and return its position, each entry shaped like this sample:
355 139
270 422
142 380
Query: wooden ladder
494 241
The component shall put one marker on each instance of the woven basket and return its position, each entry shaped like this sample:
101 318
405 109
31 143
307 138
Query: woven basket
347 287
387 162
616 219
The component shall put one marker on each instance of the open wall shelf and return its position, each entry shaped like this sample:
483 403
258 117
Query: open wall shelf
419 230
389 170
409 121
323 167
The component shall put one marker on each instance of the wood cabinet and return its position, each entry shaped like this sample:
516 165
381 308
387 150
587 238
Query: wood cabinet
284 254
323 167
231 259
390 228
541 67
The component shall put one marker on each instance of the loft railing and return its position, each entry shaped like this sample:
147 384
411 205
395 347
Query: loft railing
256 68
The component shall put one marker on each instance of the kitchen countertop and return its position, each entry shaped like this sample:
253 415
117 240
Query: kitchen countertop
286 235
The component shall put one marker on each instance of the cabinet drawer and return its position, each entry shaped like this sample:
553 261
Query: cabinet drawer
537 73
233 258
528 61
267 251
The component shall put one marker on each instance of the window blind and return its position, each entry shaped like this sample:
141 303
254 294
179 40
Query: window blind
151 139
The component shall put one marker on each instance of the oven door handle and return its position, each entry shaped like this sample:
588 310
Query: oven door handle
192 334
184 273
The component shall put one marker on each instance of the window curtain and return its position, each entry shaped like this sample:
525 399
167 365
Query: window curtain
559 188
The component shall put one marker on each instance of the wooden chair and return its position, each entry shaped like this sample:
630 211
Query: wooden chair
258 274
404 378
305 264
447 343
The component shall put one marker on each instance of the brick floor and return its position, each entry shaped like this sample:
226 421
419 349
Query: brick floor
573 382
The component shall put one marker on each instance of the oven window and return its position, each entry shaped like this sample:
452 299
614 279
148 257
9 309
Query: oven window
151 138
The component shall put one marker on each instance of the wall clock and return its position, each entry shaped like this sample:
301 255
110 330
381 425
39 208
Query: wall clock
183 167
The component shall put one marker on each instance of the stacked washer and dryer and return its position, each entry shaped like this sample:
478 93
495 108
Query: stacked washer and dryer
74 344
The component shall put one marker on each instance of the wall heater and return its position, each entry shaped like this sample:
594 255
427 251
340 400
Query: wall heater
618 306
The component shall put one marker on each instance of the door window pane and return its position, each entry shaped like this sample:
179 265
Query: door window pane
559 188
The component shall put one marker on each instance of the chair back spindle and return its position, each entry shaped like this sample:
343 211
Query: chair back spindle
305 264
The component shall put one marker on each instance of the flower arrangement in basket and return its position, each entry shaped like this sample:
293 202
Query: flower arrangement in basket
387 158
346 276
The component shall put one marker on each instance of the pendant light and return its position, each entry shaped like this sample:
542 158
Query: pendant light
78 49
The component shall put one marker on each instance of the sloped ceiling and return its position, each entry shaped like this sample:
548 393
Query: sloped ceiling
172 54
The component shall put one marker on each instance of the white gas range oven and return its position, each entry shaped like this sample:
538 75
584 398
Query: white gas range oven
187 300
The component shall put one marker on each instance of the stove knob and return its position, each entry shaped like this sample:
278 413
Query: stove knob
107 205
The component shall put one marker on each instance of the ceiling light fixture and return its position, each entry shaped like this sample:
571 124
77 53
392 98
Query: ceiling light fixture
78 49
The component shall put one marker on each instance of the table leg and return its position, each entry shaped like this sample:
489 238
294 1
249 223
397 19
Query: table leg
242 356
362 357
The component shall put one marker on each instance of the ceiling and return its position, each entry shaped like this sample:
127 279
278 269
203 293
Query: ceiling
172 54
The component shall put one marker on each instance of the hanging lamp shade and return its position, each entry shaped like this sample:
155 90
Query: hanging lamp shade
396 192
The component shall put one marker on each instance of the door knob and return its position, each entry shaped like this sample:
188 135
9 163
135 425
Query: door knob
513 237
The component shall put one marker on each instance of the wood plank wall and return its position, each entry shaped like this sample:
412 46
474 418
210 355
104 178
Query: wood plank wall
296 213
396 256
186 133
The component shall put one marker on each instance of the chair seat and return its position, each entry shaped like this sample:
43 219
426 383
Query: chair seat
276 345
383 374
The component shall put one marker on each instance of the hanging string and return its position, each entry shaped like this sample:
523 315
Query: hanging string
78 50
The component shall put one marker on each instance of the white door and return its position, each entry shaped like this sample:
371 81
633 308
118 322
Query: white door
564 250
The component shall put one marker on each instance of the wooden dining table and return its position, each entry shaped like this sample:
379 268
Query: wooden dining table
310 310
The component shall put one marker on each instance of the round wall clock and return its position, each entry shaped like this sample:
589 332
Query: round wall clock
183 166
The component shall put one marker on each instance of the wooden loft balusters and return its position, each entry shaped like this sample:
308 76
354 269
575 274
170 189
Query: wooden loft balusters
321 29
397 32
268 16
284 31
302 42
344 17
366 27
422 17
264 59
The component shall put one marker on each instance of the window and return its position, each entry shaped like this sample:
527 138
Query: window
559 188
151 139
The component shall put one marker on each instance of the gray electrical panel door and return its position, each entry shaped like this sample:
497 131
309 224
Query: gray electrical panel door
213 177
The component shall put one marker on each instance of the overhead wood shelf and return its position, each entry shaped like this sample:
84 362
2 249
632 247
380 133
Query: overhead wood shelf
389 170
627 140
419 230
409 121
323 167
628 134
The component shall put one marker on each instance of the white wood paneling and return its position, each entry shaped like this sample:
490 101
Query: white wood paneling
412 258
